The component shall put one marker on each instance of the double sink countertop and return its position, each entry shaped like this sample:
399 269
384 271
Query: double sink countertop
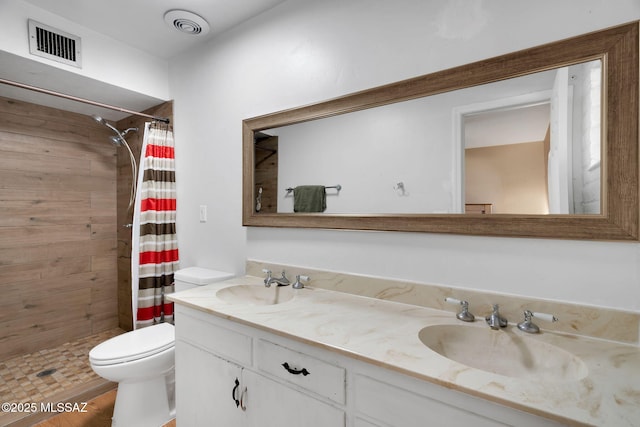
603 391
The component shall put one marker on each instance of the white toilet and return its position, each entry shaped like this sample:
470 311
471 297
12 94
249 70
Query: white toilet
142 363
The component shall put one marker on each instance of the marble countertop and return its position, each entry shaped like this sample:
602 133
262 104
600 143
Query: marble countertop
385 333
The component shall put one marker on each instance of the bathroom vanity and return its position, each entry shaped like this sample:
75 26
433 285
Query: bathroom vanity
247 355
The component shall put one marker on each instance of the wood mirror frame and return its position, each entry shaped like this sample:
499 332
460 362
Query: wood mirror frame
617 47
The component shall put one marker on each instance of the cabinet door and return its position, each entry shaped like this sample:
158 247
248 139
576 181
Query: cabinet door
271 404
205 389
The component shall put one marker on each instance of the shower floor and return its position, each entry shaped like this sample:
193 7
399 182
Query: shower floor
72 381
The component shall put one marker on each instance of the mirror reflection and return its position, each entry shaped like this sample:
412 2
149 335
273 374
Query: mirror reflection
528 145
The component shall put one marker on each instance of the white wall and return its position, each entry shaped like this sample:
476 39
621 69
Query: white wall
306 51
367 153
103 59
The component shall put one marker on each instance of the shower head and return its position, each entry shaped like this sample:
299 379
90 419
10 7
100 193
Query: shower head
99 119
117 139
103 122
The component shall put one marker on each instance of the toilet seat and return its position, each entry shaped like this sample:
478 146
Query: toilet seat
134 345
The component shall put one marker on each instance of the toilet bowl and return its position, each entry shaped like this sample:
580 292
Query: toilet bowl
142 363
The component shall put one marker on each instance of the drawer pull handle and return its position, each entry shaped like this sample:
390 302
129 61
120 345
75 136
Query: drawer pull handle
303 371
233 393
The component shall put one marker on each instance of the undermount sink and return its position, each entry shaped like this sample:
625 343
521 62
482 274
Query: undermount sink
503 352
256 294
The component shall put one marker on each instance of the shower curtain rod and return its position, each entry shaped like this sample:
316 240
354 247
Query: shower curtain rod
83 100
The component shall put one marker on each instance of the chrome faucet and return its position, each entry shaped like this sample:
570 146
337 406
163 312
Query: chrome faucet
281 281
528 326
298 283
494 320
464 313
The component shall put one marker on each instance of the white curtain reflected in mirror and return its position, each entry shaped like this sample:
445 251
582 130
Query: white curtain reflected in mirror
537 153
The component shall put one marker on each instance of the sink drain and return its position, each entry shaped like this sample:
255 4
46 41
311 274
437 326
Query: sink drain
46 372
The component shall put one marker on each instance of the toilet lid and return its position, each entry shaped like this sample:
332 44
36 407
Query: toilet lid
134 345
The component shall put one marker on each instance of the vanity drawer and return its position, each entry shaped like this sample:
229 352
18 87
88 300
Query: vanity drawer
228 344
302 370
390 405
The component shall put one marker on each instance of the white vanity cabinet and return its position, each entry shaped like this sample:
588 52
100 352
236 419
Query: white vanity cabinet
226 377
283 382
204 391
385 399
271 404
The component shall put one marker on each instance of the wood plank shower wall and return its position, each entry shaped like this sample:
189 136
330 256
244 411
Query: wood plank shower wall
60 234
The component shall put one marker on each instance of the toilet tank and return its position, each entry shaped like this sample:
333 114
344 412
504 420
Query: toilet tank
191 277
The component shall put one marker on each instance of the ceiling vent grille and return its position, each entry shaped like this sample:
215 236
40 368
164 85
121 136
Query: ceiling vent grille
51 43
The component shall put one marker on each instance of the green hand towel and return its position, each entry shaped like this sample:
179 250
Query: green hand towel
309 198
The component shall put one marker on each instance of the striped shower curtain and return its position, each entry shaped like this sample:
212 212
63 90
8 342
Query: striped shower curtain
154 252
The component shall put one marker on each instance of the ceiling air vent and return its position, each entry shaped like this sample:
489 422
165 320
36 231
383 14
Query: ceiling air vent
54 44
186 22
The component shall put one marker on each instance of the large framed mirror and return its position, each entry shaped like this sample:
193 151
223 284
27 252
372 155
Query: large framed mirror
538 143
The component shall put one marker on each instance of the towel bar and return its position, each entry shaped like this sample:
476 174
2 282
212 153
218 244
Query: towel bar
337 187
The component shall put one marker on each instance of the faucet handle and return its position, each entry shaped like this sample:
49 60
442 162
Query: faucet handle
463 314
529 327
544 316
298 284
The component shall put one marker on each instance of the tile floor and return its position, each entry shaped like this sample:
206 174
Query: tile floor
20 383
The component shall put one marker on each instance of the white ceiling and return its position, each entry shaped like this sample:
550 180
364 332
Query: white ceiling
507 126
140 23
